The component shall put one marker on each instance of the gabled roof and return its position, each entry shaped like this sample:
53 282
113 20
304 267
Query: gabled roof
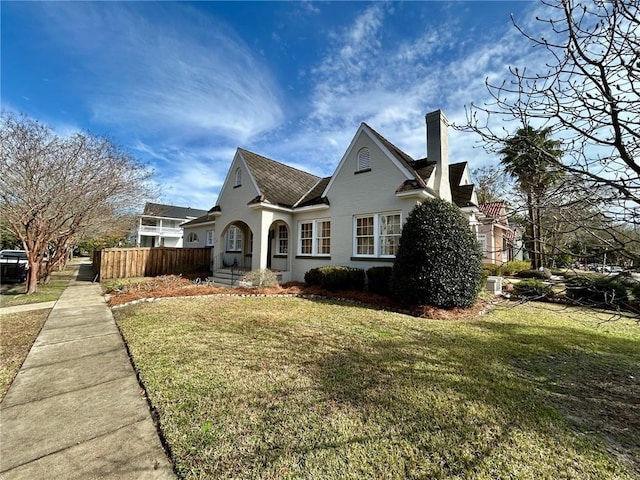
462 195
402 157
456 170
171 211
198 221
277 183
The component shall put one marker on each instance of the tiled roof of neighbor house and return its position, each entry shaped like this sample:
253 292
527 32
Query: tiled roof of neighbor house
314 196
493 209
171 211
198 221
278 184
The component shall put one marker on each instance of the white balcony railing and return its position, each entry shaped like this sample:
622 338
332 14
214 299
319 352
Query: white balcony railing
164 231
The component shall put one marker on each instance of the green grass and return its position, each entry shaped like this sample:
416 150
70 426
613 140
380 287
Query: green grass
13 293
293 388
19 331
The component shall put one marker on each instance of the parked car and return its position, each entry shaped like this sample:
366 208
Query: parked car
13 265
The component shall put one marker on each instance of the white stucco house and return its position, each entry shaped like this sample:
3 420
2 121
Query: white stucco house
270 215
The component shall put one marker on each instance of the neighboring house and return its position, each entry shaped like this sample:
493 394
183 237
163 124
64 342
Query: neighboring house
160 226
500 242
270 215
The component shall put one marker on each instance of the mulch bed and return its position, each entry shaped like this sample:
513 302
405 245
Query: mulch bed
176 286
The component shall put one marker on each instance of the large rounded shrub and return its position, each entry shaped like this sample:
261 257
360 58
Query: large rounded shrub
438 260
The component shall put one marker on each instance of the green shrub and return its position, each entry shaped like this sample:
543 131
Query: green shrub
438 260
635 289
532 288
313 277
599 292
491 269
379 280
514 266
335 278
540 274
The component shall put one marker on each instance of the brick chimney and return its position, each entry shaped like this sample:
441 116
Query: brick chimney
437 150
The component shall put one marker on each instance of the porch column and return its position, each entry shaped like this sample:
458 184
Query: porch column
260 245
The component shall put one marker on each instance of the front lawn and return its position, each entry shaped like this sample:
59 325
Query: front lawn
13 293
277 387
19 331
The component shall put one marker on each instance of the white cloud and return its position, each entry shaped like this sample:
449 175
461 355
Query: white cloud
164 69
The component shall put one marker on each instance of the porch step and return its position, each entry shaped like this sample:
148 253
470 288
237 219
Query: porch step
226 276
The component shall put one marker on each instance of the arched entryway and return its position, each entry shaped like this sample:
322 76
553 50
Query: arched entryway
237 246
279 246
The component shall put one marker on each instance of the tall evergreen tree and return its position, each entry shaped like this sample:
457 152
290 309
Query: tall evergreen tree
532 159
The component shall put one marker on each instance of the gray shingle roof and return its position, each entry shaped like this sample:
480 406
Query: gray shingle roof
314 196
279 184
171 211
461 195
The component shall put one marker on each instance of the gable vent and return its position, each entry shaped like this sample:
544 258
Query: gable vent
364 159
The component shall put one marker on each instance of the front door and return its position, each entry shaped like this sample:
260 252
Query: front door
272 234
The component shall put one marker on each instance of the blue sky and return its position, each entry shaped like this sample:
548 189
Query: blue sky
181 85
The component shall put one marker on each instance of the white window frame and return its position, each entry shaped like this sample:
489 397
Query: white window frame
282 241
192 237
382 235
482 240
238 177
377 234
234 239
210 238
316 240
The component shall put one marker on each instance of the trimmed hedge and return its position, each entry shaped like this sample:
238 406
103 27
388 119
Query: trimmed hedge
540 274
336 278
532 288
514 266
438 260
597 292
379 280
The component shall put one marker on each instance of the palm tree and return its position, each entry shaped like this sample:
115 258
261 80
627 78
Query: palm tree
533 159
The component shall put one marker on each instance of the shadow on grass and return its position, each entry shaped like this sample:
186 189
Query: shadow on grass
508 379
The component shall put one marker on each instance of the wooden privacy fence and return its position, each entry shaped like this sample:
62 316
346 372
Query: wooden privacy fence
149 262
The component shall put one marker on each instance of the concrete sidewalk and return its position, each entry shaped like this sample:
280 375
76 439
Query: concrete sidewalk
75 409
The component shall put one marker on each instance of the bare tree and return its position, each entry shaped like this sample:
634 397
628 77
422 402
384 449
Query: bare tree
490 184
587 94
53 190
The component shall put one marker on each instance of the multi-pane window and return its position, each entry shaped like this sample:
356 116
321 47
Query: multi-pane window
234 239
306 238
283 239
389 234
365 239
210 238
238 179
192 237
324 237
314 237
482 240
377 235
